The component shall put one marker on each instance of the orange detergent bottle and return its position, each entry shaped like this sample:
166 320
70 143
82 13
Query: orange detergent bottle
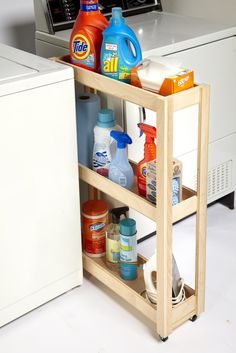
86 37
149 155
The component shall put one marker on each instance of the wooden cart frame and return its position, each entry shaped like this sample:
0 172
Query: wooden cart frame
165 316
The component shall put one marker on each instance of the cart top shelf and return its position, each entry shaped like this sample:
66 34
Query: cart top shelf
133 94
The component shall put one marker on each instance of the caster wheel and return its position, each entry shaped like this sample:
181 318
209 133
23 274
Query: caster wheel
194 318
164 339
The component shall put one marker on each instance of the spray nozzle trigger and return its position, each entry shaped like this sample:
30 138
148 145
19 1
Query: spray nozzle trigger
150 132
118 212
121 137
140 132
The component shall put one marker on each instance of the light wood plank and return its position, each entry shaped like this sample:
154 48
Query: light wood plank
129 198
164 219
116 191
184 209
97 268
202 178
186 98
115 88
183 311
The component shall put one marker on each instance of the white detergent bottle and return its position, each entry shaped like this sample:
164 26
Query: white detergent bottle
104 145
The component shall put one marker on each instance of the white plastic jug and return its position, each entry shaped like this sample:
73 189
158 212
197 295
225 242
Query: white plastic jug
104 145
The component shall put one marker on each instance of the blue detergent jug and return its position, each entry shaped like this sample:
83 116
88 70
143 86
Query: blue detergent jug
120 50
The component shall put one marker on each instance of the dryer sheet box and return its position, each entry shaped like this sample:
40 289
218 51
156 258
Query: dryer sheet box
176 183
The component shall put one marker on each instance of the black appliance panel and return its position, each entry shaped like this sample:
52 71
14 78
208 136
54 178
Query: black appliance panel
63 10
62 13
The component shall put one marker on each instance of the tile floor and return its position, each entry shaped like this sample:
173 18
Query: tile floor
90 319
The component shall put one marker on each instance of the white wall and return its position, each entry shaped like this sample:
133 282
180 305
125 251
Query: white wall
213 10
17 23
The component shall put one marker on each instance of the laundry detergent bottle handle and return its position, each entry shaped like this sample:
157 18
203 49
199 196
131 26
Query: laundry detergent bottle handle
131 59
120 48
86 36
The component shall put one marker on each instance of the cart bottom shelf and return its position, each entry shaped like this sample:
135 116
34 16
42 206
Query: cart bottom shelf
133 292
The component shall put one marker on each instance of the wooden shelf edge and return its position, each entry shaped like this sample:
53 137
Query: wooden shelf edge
180 211
119 287
117 192
113 87
183 311
130 93
186 98
180 313
185 208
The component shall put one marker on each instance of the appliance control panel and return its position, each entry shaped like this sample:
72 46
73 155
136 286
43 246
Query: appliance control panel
62 13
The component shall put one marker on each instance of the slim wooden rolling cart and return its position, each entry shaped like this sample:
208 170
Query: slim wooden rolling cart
165 316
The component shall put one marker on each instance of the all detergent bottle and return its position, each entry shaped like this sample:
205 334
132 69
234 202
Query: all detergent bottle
149 155
86 36
121 50
120 170
104 145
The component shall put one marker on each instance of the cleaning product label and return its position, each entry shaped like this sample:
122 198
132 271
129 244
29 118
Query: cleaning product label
88 5
101 159
111 64
118 177
94 235
113 250
81 50
128 248
142 178
112 47
110 61
97 227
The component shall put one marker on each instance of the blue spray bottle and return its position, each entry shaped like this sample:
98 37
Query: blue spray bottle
120 170
120 50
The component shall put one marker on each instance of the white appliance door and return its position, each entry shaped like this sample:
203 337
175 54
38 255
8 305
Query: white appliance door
213 63
39 204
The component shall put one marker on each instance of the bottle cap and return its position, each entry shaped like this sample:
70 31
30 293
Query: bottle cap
128 227
106 118
94 207
117 17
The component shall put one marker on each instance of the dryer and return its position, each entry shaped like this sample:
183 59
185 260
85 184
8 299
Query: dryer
207 48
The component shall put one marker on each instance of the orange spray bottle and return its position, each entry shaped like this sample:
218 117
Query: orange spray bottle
86 37
149 155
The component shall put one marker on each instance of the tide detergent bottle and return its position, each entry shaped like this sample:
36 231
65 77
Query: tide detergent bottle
149 155
86 36
120 48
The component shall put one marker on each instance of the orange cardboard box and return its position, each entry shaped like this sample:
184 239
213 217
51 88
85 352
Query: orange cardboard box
172 84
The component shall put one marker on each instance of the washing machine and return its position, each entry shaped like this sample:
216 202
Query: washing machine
40 231
207 48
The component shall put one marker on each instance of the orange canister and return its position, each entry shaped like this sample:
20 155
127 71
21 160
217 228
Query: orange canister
94 220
